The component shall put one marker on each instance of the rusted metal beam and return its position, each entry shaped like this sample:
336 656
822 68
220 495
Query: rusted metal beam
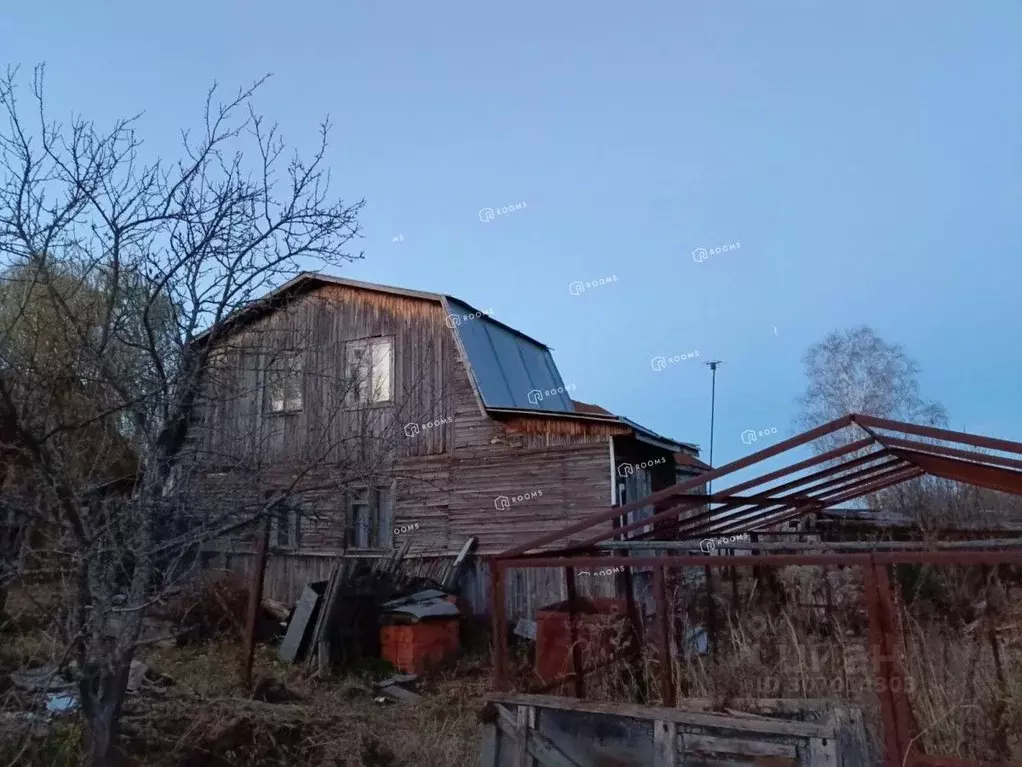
754 545
852 493
834 486
715 514
991 477
663 634
885 644
670 518
893 753
599 517
862 485
783 560
961 437
925 760
968 455
624 582
576 651
808 463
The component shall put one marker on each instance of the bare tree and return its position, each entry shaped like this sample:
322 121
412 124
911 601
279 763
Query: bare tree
115 263
856 371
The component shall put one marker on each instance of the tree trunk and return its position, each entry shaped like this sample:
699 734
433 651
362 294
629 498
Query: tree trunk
102 693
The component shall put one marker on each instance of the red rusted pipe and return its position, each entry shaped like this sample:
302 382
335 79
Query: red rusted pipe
663 633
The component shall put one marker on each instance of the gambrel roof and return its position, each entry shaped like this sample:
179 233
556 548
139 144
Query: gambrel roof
513 373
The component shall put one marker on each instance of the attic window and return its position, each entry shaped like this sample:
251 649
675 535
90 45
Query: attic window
285 382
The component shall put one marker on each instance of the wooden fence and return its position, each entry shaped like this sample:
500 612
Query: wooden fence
549 731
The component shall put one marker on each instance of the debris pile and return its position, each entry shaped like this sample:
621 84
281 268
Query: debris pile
374 609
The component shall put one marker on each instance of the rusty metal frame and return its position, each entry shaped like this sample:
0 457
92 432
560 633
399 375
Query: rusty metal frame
896 460
900 725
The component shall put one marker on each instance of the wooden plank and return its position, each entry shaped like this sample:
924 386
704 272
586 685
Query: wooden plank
713 744
488 751
319 655
822 752
530 722
654 713
521 738
537 745
665 744
450 581
298 627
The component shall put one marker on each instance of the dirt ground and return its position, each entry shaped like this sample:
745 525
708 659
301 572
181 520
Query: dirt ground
204 718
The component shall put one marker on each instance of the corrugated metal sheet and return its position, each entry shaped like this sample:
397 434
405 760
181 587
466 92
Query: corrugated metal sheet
511 370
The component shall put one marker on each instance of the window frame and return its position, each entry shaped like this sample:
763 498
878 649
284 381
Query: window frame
355 400
283 365
286 518
377 497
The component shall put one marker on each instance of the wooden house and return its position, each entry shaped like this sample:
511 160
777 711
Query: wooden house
407 416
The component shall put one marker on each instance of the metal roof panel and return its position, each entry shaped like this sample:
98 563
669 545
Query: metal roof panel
512 371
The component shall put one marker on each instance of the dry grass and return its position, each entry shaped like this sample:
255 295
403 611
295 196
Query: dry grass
770 648
206 719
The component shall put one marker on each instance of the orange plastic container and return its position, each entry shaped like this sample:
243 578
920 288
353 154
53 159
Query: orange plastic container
413 647
598 622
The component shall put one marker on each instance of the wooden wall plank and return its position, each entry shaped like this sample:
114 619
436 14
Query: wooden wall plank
665 744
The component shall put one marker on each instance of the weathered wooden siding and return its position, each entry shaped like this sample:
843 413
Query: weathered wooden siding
537 431
557 486
235 425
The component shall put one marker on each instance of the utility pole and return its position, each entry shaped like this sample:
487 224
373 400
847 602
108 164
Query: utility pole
713 405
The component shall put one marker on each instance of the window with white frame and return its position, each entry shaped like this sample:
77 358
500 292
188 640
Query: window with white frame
285 382
370 370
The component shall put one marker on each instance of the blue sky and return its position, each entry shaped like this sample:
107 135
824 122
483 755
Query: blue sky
866 156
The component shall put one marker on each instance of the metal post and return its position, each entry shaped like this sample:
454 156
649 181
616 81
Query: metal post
576 651
255 597
713 404
711 616
499 625
734 584
899 722
663 612
635 630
